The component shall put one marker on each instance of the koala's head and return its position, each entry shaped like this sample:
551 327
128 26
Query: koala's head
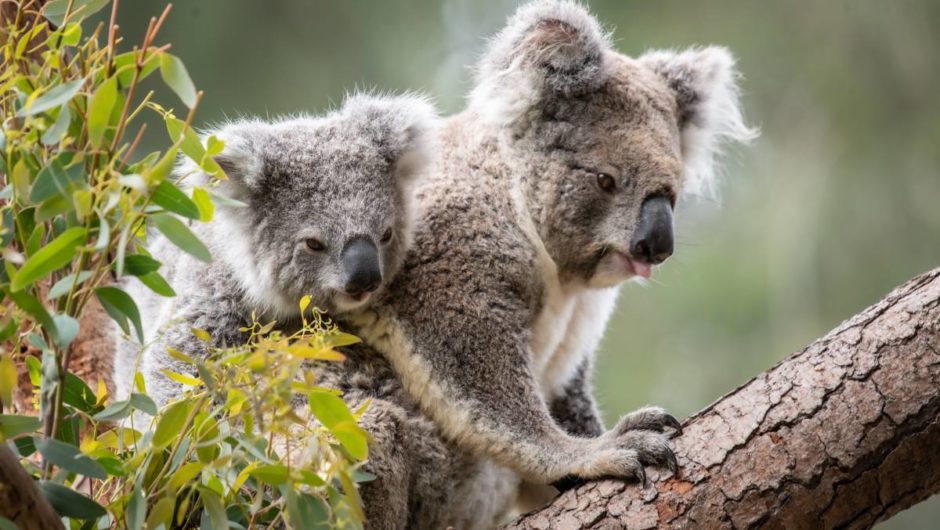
329 210
603 144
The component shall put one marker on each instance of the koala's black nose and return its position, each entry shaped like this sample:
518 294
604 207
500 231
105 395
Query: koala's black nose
361 269
652 240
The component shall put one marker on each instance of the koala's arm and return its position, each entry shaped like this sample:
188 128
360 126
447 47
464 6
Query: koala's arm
459 343
219 315
574 409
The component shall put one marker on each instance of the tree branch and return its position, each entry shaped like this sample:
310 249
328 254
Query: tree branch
843 434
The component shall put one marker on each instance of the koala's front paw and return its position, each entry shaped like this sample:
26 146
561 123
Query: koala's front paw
648 419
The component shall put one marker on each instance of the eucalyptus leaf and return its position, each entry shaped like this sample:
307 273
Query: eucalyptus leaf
60 177
70 458
171 423
172 199
68 503
99 110
57 96
54 134
12 425
157 284
64 285
140 265
177 78
181 236
121 307
68 329
53 256
55 11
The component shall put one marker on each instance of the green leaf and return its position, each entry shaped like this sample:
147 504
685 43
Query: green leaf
214 507
52 257
64 285
68 503
70 458
55 10
78 394
172 199
159 171
162 513
181 236
54 134
71 34
115 411
307 512
99 111
329 409
121 307
157 284
191 145
57 179
273 474
177 78
55 206
353 438
6 524
35 239
34 307
57 96
12 426
143 403
171 424
140 265
68 329
125 65
204 202
136 512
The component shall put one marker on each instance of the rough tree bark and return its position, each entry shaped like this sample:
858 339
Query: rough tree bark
843 434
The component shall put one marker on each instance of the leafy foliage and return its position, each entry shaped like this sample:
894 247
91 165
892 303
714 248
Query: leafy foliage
240 448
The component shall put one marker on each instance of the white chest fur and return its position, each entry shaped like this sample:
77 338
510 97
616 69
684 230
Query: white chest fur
567 330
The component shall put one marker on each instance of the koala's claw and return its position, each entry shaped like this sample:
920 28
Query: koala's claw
651 448
676 425
649 419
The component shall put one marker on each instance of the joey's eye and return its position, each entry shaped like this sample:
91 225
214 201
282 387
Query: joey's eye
314 245
606 182
386 236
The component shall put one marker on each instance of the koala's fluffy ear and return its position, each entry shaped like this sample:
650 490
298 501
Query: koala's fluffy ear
404 129
548 47
705 83
241 157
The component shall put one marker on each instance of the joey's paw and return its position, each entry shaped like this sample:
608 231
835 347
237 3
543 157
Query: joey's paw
648 419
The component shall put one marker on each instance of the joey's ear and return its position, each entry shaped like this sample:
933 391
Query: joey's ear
705 84
241 157
548 47
404 129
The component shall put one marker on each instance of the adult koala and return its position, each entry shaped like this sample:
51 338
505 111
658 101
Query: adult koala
556 184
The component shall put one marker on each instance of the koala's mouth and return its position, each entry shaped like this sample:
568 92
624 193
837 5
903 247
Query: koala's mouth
348 302
621 264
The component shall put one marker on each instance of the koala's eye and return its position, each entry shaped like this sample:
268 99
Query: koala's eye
606 182
314 245
386 236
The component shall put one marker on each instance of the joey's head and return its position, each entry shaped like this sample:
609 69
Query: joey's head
329 211
601 145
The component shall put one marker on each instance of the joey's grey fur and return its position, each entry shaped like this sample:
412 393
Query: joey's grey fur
524 234
311 186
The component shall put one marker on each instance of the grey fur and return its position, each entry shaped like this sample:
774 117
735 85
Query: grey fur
349 174
489 330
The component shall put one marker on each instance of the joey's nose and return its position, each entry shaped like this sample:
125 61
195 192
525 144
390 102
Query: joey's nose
361 270
653 240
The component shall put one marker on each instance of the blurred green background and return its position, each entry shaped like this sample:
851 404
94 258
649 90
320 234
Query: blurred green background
836 203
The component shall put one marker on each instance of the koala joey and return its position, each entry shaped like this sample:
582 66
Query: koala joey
327 212
556 184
